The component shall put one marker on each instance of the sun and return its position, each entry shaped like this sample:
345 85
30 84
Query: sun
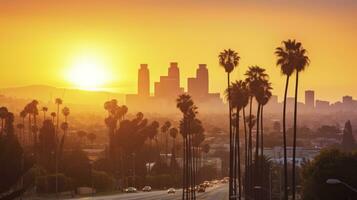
88 73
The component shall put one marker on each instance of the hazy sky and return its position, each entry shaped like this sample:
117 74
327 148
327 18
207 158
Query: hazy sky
41 41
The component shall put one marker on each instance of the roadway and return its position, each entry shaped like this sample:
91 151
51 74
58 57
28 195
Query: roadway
217 192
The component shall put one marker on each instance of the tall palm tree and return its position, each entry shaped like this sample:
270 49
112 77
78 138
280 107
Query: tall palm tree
21 127
185 104
164 130
285 55
23 115
44 110
173 134
239 98
53 115
300 62
255 75
291 56
3 115
229 59
58 101
65 112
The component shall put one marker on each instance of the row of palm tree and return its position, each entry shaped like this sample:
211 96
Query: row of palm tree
192 133
291 58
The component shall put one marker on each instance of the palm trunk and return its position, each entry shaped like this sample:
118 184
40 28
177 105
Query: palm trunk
230 191
237 146
286 195
245 153
294 141
257 135
261 148
250 153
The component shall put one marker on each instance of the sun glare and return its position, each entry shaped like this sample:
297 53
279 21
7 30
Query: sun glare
88 73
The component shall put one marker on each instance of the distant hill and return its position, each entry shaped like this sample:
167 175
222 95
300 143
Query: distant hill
47 94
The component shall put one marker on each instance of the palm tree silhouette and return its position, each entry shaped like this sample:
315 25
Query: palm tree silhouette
173 133
53 115
58 101
185 104
291 56
229 59
164 130
285 56
44 110
23 115
21 127
255 77
238 99
300 62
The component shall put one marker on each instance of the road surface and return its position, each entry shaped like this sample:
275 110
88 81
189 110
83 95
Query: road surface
217 192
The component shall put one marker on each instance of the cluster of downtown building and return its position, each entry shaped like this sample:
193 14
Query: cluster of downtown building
168 88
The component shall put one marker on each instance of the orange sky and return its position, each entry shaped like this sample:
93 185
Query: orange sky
39 42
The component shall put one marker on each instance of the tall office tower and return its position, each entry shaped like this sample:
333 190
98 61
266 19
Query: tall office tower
169 86
143 80
198 87
310 99
202 77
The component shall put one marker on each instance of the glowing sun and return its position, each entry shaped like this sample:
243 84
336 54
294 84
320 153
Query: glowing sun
88 73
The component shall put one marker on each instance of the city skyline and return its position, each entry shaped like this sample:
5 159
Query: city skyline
101 33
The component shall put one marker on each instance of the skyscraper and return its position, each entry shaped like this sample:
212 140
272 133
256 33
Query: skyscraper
310 99
198 86
143 80
169 86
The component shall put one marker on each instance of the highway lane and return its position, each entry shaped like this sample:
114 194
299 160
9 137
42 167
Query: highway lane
218 192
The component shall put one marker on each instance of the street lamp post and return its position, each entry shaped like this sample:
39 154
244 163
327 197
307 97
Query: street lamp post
333 181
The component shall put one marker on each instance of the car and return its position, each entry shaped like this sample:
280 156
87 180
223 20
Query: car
130 190
171 191
201 188
146 189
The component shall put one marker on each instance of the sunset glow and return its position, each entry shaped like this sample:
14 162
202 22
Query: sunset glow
88 73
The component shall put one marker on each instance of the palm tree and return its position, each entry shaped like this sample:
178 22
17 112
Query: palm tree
255 76
229 59
21 127
3 115
300 62
285 62
239 99
65 112
173 134
44 110
164 130
58 101
185 104
291 56
23 115
53 115
33 110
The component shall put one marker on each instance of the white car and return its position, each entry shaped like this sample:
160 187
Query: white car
171 191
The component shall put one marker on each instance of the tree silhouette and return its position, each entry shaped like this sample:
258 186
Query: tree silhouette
285 62
192 131
348 141
229 59
164 130
44 110
300 62
14 164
